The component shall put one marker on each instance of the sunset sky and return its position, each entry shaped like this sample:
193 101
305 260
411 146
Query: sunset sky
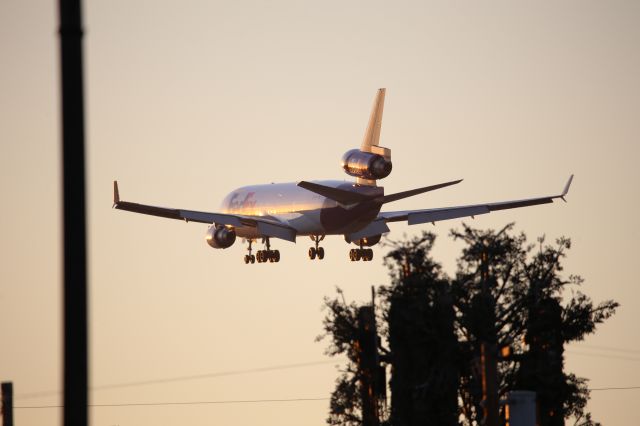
186 101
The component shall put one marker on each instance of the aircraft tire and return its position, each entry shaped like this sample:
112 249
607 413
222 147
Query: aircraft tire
312 253
276 256
320 253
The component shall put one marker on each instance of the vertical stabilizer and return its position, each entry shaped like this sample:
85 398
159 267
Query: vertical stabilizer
372 135
371 140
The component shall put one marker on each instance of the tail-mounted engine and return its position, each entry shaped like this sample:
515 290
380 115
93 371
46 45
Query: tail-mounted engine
366 165
371 161
220 237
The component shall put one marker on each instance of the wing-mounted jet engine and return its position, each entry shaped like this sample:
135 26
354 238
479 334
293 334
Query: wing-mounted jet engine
220 237
371 161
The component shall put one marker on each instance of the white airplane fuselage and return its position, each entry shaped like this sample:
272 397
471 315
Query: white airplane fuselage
305 211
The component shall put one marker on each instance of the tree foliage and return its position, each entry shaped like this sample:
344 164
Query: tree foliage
419 314
507 292
341 327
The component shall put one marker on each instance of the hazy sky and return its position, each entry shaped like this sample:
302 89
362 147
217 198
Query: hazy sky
188 100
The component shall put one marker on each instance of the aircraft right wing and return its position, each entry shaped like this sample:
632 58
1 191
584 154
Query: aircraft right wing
414 217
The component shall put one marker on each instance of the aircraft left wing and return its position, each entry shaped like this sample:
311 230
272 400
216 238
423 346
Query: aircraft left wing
265 227
414 217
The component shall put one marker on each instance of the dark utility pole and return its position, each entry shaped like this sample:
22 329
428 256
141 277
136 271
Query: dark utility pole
73 170
488 354
489 384
368 365
7 404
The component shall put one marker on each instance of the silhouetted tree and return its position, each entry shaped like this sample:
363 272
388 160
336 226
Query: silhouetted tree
549 325
504 293
488 290
341 326
526 294
423 347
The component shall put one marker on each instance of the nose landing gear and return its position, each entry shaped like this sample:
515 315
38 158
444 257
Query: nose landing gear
316 251
249 258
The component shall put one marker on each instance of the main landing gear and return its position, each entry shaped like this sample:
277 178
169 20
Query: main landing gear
262 256
364 254
316 251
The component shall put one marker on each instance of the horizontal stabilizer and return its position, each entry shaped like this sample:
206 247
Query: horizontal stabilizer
400 195
339 195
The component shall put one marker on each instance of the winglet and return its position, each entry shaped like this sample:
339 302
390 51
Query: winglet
566 189
116 193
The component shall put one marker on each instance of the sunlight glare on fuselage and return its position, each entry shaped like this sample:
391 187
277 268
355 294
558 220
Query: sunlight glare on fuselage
273 199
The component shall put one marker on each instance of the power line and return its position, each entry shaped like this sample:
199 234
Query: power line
625 358
186 378
609 348
157 404
616 388
242 401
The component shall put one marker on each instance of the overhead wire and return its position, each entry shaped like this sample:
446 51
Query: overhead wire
242 401
155 404
608 348
616 388
185 378
292 366
597 355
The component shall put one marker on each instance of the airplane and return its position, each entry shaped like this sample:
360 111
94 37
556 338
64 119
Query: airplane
320 208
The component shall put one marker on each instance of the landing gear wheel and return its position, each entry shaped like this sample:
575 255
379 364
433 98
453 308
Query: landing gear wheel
366 255
268 255
249 258
316 251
